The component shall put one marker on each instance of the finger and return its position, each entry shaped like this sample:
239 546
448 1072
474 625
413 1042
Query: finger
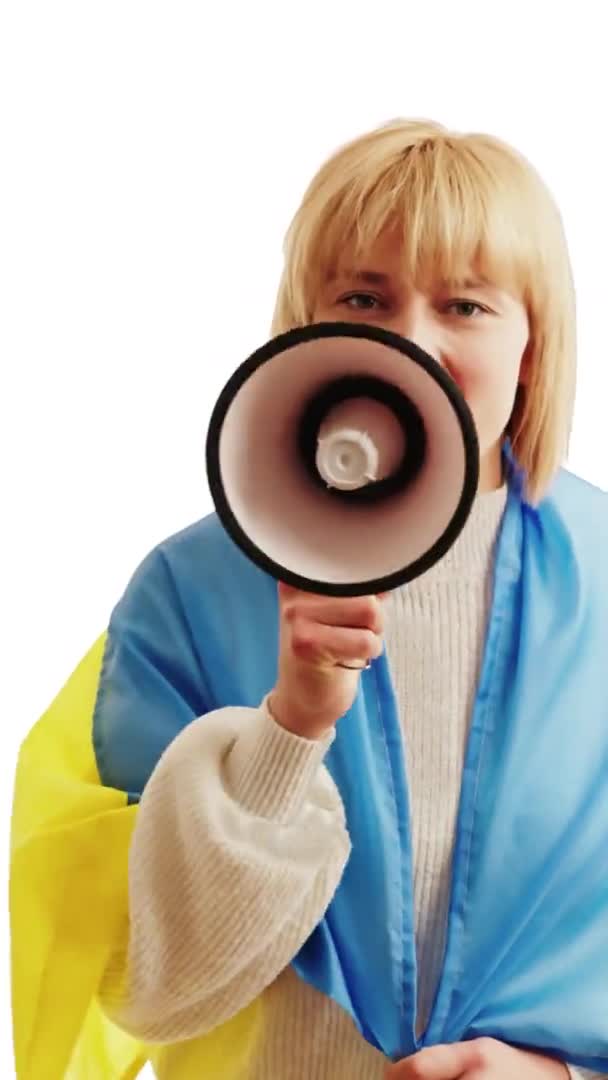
359 612
329 645
438 1063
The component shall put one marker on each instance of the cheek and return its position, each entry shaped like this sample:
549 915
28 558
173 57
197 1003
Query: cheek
489 390
488 379
470 376
490 395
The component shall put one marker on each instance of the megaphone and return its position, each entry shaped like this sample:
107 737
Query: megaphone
342 459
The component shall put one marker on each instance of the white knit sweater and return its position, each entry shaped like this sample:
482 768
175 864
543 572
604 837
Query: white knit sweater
241 842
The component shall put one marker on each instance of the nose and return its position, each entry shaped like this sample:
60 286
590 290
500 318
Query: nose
422 334
420 328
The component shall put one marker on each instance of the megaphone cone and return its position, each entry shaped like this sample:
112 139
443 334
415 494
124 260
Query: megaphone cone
342 459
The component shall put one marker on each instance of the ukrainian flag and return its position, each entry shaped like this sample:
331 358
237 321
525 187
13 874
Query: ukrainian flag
69 908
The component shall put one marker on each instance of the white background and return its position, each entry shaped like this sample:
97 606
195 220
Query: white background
152 155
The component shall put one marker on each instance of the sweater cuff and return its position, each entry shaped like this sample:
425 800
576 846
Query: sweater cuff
269 770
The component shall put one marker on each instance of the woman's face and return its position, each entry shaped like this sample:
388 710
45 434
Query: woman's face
477 332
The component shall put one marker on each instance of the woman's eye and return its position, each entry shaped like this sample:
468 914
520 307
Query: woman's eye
467 308
361 301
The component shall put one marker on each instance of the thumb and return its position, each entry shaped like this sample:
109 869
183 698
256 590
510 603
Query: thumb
444 1062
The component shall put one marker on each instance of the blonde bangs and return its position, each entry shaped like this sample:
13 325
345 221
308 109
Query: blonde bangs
453 213
460 205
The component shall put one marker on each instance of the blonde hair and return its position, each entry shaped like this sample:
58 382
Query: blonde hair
460 201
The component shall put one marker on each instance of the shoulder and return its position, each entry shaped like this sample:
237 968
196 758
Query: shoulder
574 514
205 536
573 495
582 506
198 561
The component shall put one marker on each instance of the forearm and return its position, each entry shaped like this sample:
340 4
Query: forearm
239 847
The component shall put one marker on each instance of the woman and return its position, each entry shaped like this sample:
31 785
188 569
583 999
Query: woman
387 845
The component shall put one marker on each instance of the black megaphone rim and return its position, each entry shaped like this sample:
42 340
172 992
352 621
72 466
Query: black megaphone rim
320 331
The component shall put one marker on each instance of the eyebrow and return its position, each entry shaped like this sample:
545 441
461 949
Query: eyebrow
375 277
472 283
370 277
